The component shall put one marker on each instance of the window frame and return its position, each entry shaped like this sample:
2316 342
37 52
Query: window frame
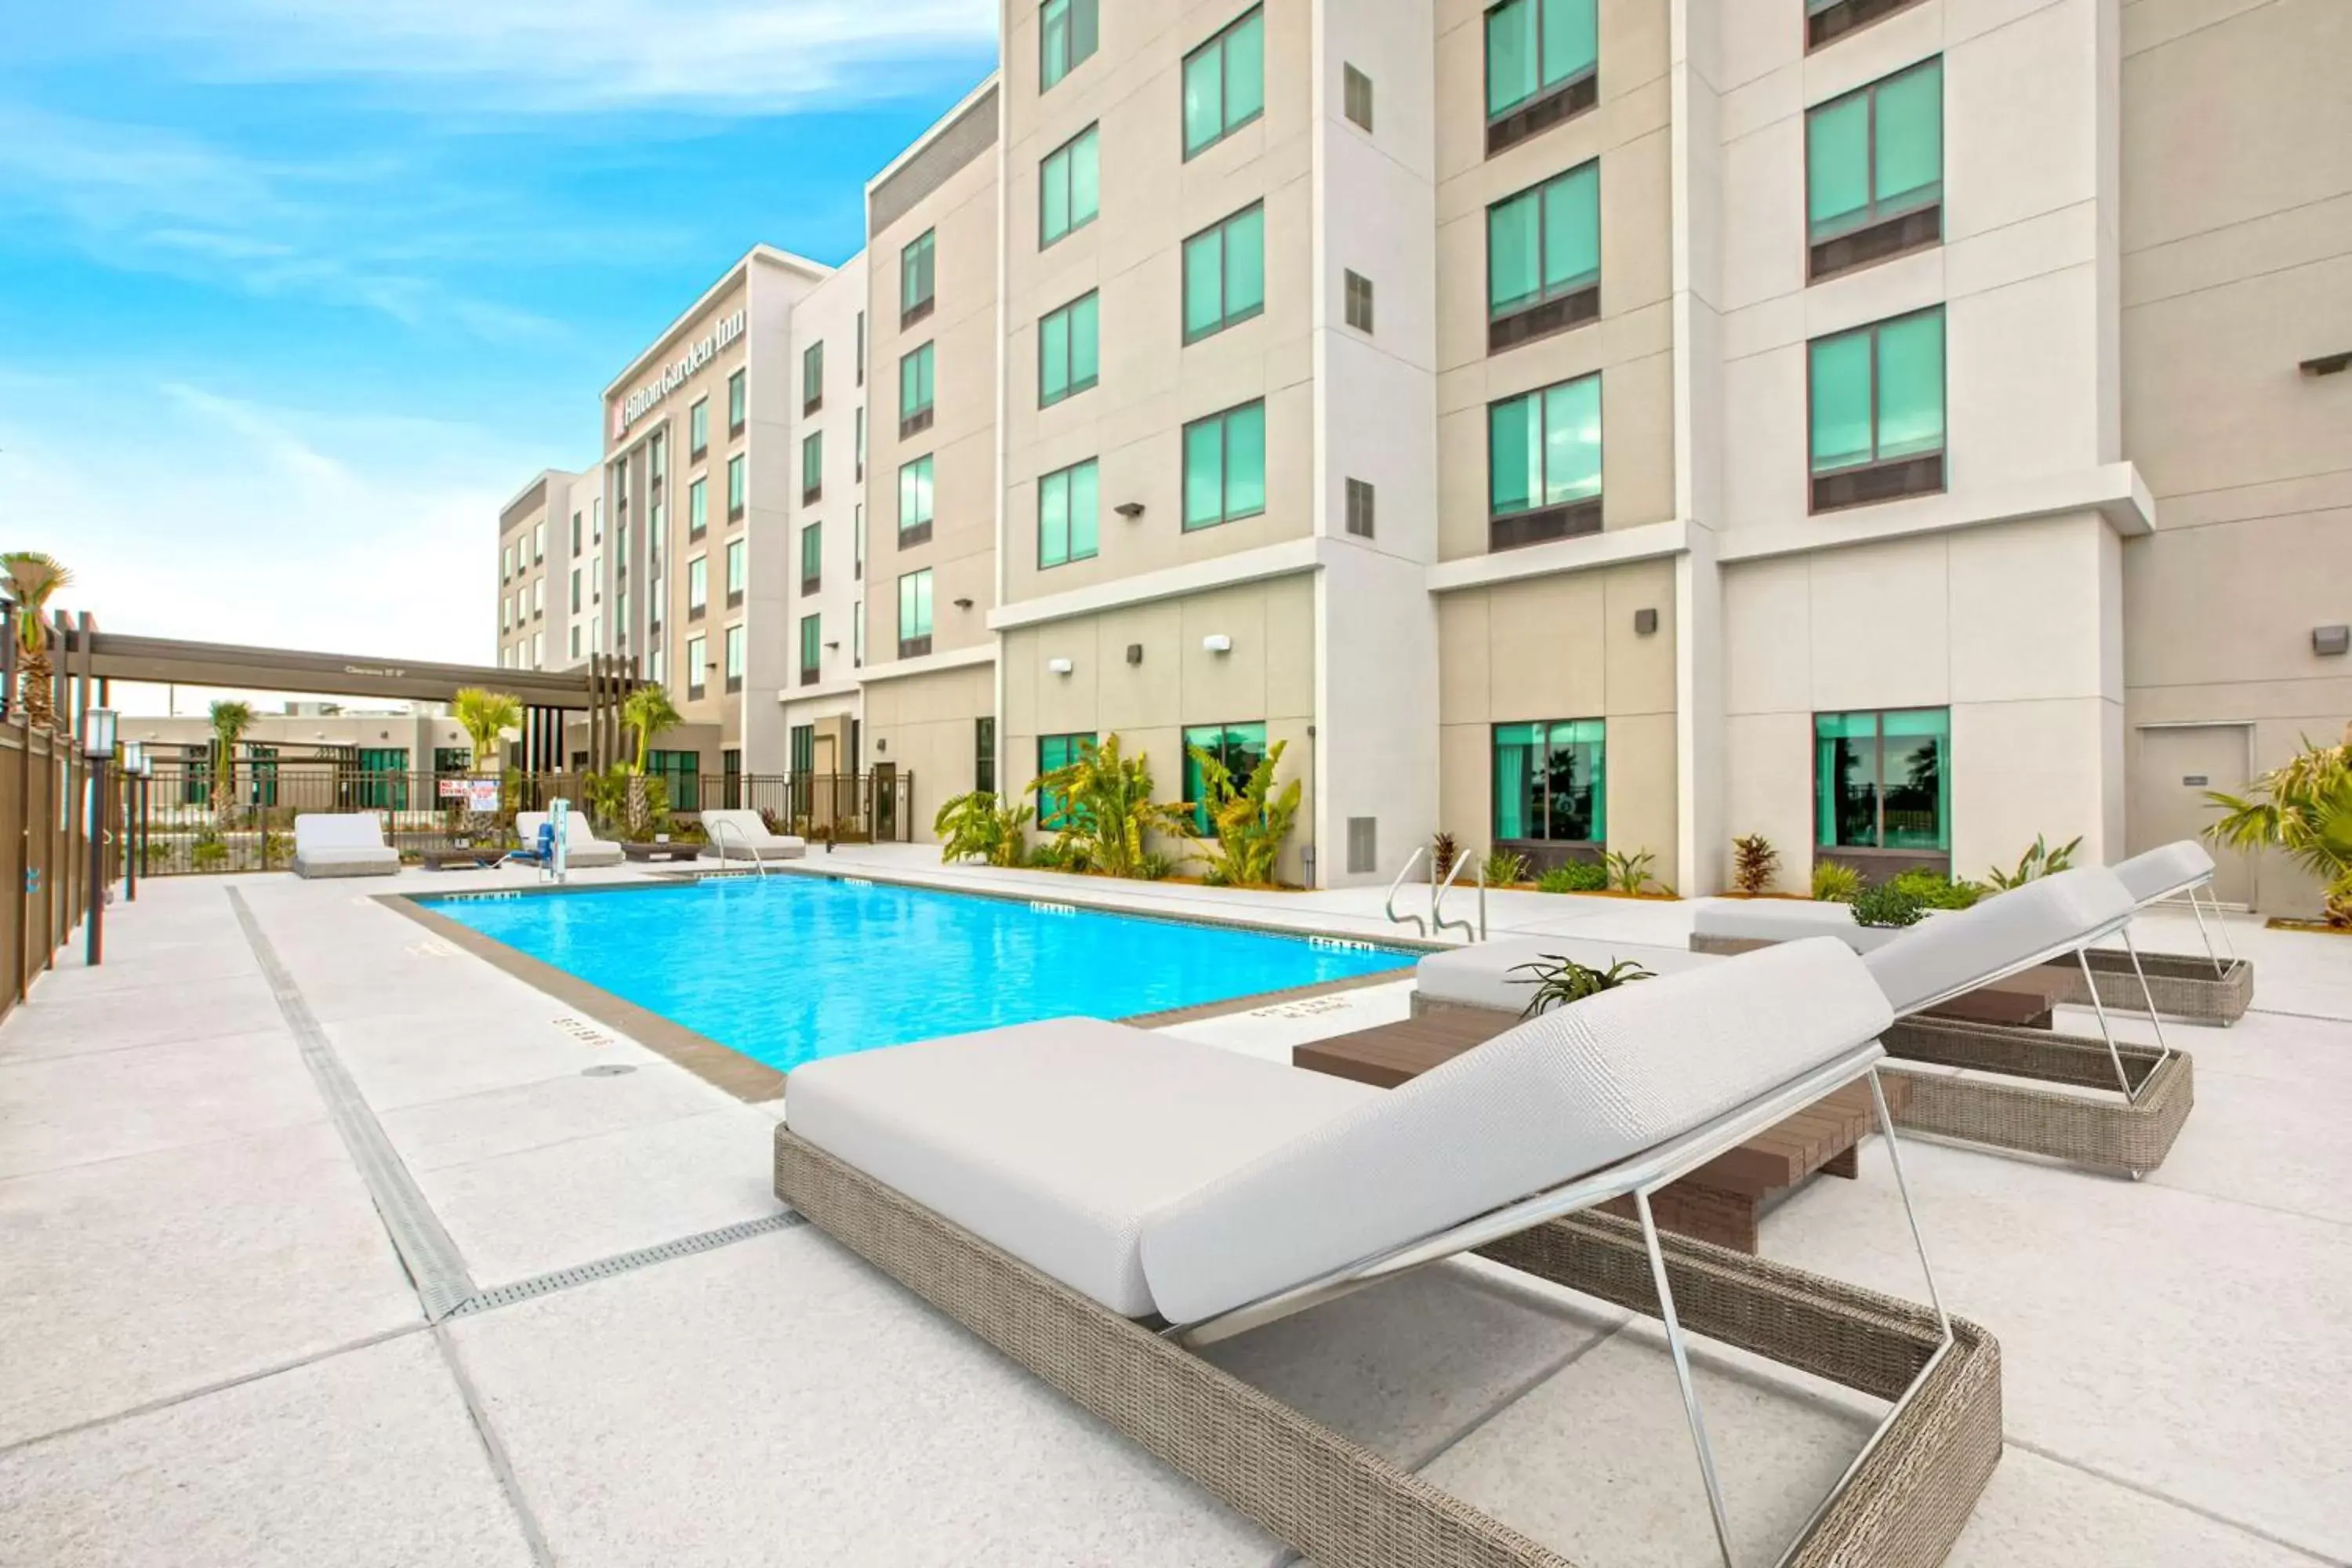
1071 386
812 647
1549 310
739 488
811 466
1072 57
1226 318
984 753
919 531
738 570
1052 811
1067 153
927 243
738 402
1541 521
916 420
813 543
916 645
697 654
1189 773
1896 478
1545 106
1877 234
1222 417
812 377
698 506
732 656
697 587
1877 855
1069 476
1543 847
1218 40
1856 16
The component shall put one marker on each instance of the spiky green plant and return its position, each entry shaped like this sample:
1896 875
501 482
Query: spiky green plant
486 716
32 579
1628 870
1107 812
2035 864
2304 810
979 827
1503 868
1834 882
1249 821
1559 980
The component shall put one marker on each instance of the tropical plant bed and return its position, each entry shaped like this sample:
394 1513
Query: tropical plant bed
1583 892
1790 897
2320 928
1162 881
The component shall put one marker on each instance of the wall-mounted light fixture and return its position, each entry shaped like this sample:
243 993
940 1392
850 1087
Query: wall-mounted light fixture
2331 641
1060 666
1135 653
834 644
963 604
1644 622
1129 510
1216 642
2326 364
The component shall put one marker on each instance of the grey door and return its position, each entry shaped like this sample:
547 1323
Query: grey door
2175 766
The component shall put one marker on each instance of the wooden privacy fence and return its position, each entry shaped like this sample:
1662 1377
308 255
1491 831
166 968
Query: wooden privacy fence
45 837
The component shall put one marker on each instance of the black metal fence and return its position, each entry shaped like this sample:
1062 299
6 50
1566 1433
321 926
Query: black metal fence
184 819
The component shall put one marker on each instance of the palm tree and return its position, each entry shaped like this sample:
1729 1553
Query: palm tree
230 721
647 710
2303 809
32 577
486 716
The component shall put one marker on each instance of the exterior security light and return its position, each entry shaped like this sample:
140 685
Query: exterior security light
1129 510
1060 666
1216 642
98 736
963 604
2331 641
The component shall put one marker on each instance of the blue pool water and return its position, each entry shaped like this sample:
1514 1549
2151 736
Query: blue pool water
787 969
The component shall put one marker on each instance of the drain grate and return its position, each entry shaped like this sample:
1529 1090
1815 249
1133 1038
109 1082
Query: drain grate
606 1268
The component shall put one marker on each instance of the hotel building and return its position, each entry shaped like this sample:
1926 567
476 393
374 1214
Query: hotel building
1897 428
548 537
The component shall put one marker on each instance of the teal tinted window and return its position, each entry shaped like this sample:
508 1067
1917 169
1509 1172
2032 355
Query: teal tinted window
812 462
1067 33
1551 782
1877 153
812 556
1883 780
915 605
1543 448
1224 274
917 271
1240 747
1224 83
1224 466
681 772
1878 393
812 641
1069 349
914 493
915 382
1053 753
1068 527
1537 46
698 506
1069 193
1544 243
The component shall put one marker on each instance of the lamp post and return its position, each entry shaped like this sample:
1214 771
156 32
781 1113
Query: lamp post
97 749
134 762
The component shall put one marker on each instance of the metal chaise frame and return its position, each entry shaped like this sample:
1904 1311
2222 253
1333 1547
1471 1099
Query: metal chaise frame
2194 996
1902 1500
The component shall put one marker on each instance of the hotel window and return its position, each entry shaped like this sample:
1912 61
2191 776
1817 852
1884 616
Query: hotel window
1240 747
733 654
538 599
575 639
1543 259
697 428
1542 65
1551 783
984 753
915 613
811 465
857 543
1069 347
1874 171
698 508
735 488
1355 95
812 649
575 590
1876 398
858 440
696 648
681 774
595 579
915 391
596 634
506 564
1069 193
575 533
858 370
735 404
1543 464
812 557
539 650
1224 83
1066 515
1055 753
657 450
1826 21
1224 466
802 740
657 602
1883 780
1358 300
506 614
1224 274
914 502
1066 36
812 377
917 278
734 573
596 519
537 541
857 633
698 587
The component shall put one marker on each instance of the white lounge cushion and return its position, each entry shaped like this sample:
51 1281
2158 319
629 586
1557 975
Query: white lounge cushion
379 862
1056 1139
1480 976
337 830
1786 919
1576 1089
2159 873
1963 949
748 827
580 844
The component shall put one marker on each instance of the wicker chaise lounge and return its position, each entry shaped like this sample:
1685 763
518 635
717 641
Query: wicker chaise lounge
2217 989
1097 1201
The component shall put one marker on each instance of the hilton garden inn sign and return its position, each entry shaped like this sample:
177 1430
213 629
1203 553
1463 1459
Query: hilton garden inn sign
673 375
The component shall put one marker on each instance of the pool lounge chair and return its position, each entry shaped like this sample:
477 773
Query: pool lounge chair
2055 919
2217 989
342 844
582 848
1097 1202
744 836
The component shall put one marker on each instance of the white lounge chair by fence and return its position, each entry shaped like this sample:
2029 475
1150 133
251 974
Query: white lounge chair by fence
342 844
582 847
744 836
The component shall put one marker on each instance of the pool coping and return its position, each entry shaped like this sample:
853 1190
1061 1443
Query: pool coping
752 1081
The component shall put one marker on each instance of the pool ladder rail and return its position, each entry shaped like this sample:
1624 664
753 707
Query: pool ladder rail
1437 921
719 831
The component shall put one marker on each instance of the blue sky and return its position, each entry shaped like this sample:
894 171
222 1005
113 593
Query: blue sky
294 293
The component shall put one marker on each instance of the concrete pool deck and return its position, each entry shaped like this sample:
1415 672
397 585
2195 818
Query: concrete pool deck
210 1351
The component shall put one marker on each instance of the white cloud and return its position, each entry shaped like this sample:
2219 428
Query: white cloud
520 56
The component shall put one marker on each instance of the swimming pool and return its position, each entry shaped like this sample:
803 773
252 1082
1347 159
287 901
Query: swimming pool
786 969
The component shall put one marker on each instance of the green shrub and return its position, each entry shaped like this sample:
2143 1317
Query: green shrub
2036 863
1106 808
1155 866
1629 872
1887 905
1834 883
1248 818
1502 868
1560 981
979 827
1936 891
1576 877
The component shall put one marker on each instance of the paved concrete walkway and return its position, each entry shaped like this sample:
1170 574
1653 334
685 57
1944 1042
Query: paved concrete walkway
212 1352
